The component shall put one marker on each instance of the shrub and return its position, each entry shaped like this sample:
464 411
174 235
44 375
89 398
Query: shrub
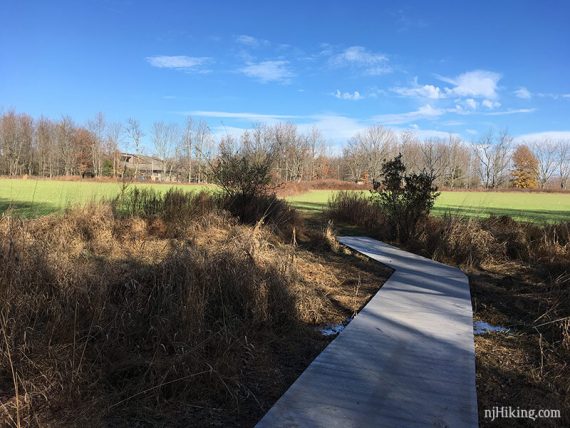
243 178
405 199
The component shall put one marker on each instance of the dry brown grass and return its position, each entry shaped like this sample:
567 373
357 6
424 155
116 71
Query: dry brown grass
120 320
527 367
296 187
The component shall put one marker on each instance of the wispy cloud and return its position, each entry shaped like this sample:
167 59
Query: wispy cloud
541 136
336 128
551 95
254 117
523 93
424 112
250 41
353 96
471 106
371 63
178 62
510 111
406 21
269 71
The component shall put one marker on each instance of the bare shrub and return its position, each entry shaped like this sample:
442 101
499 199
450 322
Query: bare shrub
460 240
355 208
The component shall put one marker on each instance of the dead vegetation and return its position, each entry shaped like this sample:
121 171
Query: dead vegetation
164 312
290 188
519 277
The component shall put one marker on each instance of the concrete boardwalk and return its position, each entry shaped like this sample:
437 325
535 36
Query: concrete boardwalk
406 360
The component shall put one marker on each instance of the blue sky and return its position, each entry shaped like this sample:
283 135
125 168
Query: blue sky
436 67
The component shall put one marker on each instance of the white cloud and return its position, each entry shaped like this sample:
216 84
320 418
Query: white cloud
523 93
428 133
526 94
251 41
358 55
177 62
424 112
268 71
353 96
471 85
471 131
551 95
371 63
425 91
490 104
471 104
478 84
253 117
510 111
541 136
335 128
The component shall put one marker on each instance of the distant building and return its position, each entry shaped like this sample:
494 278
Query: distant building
143 167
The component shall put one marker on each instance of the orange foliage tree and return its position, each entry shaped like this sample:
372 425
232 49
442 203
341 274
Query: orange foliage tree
525 172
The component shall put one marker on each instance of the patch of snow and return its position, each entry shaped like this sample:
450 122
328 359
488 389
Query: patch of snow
332 329
481 327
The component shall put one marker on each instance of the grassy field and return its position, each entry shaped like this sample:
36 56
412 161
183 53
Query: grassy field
552 207
33 198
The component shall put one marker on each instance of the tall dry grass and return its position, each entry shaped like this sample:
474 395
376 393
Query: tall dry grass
162 311
463 240
177 208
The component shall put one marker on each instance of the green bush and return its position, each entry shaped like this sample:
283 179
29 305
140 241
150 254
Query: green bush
405 199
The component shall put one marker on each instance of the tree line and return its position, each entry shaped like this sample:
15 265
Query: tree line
52 148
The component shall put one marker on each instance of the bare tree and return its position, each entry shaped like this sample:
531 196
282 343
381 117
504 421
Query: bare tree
434 157
354 160
316 148
374 144
66 145
16 140
135 135
185 148
410 148
45 141
97 127
113 139
493 155
563 155
203 148
456 162
164 137
545 153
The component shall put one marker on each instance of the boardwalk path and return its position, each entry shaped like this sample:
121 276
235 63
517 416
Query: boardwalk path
406 360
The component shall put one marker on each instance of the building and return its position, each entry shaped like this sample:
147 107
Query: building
143 167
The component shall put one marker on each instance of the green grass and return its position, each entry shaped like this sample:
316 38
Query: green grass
535 207
34 198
